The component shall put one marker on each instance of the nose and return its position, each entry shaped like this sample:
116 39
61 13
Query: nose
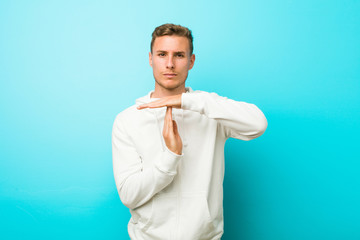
170 63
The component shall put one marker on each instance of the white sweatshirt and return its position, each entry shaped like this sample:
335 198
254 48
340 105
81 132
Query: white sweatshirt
178 197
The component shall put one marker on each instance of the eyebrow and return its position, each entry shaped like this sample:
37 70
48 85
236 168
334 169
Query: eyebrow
161 51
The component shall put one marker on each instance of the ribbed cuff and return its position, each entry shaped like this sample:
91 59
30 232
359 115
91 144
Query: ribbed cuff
169 161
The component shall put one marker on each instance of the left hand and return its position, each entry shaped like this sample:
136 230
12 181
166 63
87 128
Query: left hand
171 101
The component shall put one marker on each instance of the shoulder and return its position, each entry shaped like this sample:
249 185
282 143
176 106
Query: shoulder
127 114
200 93
197 95
196 92
123 120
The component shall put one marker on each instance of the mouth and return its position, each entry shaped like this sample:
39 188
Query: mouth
169 75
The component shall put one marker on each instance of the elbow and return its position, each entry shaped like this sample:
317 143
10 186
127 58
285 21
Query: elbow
261 126
127 203
127 200
258 128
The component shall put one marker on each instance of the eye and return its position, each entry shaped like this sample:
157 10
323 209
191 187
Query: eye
161 54
180 55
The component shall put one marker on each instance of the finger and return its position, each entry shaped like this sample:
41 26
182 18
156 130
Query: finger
142 106
170 113
147 105
166 122
169 118
172 101
155 104
152 105
176 131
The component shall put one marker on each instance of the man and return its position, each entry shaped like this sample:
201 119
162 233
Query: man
168 149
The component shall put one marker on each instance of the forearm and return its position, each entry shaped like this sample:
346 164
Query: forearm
136 184
140 187
242 120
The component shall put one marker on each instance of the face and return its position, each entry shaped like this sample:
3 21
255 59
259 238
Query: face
171 61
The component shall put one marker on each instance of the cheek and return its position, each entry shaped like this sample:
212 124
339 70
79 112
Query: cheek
157 64
184 66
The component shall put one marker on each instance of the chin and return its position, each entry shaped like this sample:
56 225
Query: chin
171 87
170 84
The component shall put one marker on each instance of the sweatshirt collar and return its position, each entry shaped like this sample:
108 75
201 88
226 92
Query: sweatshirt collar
146 98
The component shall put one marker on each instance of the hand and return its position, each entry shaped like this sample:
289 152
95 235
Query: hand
171 133
171 101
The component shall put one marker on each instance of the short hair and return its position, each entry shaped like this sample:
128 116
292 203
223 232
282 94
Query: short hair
170 29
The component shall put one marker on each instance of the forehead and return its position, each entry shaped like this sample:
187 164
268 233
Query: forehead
171 43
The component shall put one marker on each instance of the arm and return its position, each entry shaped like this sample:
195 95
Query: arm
136 185
240 120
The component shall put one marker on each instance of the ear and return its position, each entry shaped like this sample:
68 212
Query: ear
192 61
150 59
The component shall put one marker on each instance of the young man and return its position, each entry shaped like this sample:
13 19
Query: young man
168 148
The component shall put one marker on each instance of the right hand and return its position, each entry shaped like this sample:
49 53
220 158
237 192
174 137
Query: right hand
171 133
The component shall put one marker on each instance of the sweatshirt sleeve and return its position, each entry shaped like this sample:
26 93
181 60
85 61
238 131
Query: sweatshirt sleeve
135 184
240 120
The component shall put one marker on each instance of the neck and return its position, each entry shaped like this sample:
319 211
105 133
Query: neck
160 92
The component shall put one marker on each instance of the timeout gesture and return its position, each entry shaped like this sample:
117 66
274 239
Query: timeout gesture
170 130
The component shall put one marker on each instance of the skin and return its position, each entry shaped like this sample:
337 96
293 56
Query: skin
171 134
170 54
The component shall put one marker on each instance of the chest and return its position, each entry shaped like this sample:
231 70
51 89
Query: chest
195 130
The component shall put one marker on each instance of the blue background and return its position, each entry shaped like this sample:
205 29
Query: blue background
68 67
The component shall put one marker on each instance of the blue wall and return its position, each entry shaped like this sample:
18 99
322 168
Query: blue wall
68 67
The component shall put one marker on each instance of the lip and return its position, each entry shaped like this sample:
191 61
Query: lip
170 75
